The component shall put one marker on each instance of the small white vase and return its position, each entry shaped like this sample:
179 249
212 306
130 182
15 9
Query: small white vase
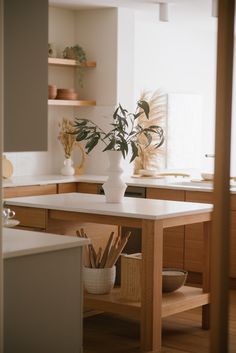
114 188
99 280
68 169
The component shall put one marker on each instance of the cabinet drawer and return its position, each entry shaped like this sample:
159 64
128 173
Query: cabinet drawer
31 217
89 188
165 194
32 190
198 196
67 187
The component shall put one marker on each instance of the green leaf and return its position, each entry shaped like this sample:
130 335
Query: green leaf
110 146
145 106
134 151
91 144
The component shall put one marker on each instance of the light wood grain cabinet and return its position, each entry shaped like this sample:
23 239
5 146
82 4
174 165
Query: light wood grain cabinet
193 243
67 187
32 190
173 242
89 188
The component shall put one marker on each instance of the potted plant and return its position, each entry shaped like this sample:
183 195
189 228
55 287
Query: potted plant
124 136
77 53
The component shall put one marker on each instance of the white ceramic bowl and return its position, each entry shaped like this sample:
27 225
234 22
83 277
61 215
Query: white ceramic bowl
173 279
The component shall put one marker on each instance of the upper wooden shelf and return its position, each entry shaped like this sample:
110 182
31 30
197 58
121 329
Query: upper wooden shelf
69 62
72 103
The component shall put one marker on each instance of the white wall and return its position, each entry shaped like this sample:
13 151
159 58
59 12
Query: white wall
133 51
180 57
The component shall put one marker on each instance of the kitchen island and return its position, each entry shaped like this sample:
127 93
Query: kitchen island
151 216
43 292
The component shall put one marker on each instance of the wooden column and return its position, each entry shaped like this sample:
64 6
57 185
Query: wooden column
1 150
220 233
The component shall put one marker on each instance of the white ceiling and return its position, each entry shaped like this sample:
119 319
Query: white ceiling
89 4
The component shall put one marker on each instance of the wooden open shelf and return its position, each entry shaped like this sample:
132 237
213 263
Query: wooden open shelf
69 62
72 103
185 298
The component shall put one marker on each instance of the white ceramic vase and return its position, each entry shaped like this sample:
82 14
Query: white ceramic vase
114 188
68 168
99 280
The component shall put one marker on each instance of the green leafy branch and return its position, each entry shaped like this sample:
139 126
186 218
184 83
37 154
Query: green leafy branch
124 134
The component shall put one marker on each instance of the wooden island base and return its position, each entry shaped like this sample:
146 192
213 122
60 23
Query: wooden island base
152 217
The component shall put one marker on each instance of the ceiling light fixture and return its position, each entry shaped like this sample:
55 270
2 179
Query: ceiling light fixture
214 8
163 12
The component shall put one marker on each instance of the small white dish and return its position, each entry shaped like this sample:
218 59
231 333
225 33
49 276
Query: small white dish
207 176
11 223
148 172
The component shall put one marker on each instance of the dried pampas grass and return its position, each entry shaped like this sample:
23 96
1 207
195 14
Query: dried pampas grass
150 157
66 136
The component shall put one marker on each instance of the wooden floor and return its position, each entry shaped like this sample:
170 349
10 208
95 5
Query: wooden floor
105 333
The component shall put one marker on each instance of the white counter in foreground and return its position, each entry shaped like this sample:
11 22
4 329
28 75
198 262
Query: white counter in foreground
43 292
18 242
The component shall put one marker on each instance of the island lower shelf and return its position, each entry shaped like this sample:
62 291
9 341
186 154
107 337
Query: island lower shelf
185 298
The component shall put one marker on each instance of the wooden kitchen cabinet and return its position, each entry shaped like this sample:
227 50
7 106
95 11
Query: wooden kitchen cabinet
89 188
193 243
67 187
32 190
173 240
25 75
193 249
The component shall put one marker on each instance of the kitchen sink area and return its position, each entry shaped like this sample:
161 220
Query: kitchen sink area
201 184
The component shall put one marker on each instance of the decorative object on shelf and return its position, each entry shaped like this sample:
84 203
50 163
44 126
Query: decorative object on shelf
68 141
131 268
99 280
7 215
67 94
7 168
114 188
124 137
52 91
51 50
173 279
149 157
68 168
77 53
99 267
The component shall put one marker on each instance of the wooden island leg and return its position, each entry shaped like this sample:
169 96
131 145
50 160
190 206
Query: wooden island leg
151 283
206 272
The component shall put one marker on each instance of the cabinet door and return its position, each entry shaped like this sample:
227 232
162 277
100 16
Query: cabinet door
25 75
173 242
88 188
32 190
193 245
67 187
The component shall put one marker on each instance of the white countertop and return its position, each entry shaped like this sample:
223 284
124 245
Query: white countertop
23 242
165 182
96 204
